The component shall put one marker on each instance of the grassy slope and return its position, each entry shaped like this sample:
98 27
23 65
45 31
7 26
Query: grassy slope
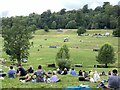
83 55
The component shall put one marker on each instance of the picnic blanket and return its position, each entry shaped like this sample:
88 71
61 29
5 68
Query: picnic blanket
81 87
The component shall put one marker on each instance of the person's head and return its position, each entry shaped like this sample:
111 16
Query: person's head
58 69
90 71
31 67
54 73
114 72
19 66
39 67
65 69
95 72
11 67
72 68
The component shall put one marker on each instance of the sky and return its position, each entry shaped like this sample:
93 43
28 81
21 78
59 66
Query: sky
25 7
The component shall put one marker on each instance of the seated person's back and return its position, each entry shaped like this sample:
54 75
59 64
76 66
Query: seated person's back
40 74
80 73
54 78
72 72
64 72
30 70
114 80
11 72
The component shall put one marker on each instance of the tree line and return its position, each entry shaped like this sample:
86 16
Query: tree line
101 17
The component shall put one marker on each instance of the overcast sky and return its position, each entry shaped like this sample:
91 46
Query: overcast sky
25 7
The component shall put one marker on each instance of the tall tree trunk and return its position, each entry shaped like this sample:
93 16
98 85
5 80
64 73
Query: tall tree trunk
19 62
18 59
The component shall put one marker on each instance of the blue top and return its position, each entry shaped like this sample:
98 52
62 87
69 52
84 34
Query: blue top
114 81
11 71
72 72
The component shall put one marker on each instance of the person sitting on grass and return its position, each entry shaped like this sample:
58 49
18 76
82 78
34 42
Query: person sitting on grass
30 69
64 72
96 77
11 72
54 78
21 73
59 71
113 81
72 72
80 73
102 73
2 74
40 75
91 74
109 73
84 76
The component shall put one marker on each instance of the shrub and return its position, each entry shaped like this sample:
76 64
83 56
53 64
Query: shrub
46 29
63 63
81 30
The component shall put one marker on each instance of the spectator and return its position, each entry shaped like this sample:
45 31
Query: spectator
80 73
102 73
64 72
11 72
30 69
40 75
96 76
2 73
109 72
85 74
91 73
59 71
21 72
72 72
114 81
54 78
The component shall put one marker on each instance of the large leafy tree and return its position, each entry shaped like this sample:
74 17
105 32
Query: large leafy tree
16 39
71 24
53 25
106 55
116 32
62 58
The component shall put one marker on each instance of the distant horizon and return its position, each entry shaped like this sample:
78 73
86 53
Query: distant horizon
13 8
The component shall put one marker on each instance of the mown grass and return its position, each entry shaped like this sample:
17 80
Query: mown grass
80 53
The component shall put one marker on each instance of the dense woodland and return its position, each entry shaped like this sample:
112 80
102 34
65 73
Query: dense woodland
101 17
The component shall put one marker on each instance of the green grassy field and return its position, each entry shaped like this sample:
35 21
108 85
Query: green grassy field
84 55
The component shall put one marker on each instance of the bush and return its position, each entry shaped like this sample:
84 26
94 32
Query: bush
81 30
63 63
116 32
46 29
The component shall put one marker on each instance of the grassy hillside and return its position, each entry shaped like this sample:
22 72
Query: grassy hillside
80 53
